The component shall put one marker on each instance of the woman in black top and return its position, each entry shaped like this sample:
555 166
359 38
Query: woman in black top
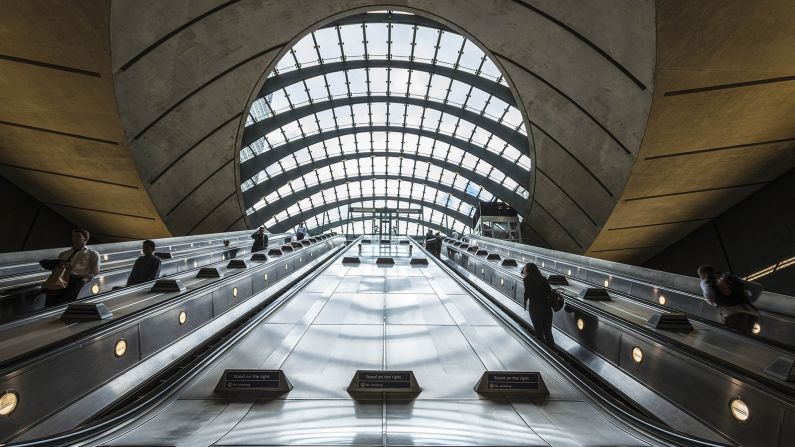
536 289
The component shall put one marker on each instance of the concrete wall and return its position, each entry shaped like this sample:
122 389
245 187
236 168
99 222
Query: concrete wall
755 234
28 224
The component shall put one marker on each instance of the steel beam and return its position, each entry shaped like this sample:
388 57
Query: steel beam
295 220
252 195
264 127
253 165
277 82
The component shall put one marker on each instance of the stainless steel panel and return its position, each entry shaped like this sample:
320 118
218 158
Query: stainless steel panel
440 356
705 393
225 297
297 307
473 313
325 359
67 377
408 285
572 424
405 308
309 422
189 423
250 353
513 356
350 308
162 329
457 422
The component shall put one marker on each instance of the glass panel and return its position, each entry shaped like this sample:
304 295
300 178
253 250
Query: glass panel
401 41
376 40
352 41
426 47
449 47
329 44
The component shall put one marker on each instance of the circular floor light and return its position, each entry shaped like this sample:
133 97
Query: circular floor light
580 324
637 354
569 272
661 300
121 348
183 317
607 283
756 329
95 288
8 402
502 282
739 410
234 292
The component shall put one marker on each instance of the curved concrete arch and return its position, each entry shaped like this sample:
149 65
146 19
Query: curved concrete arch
264 127
249 168
285 202
298 218
497 189
280 81
188 107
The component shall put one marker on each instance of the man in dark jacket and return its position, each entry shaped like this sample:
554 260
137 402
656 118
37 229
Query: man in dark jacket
260 239
147 267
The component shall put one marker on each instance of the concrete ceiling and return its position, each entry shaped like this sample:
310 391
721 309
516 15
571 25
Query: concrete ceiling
629 156
721 124
60 135
187 72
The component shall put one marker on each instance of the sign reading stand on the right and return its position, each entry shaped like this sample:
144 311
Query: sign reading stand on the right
512 383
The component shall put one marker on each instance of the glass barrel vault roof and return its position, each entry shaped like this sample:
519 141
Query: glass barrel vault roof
388 109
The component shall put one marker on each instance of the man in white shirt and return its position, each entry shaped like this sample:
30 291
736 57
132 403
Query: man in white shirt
83 265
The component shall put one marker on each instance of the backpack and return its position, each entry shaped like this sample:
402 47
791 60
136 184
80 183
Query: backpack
555 299
731 290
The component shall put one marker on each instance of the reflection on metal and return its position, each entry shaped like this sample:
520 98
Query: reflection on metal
637 354
8 402
740 410
512 383
183 317
670 322
120 348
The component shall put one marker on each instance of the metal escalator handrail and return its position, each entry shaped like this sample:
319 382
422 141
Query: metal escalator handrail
111 294
607 402
25 360
700 318
671 287
782 392
104 426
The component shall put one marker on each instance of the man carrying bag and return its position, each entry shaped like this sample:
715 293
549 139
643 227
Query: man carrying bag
76 267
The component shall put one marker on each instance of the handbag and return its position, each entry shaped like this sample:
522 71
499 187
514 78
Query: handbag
59 278
555 299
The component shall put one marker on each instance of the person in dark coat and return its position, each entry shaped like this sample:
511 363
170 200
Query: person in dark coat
147 267
536 289
260 239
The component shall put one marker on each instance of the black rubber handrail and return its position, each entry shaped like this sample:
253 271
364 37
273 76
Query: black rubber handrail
182 374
